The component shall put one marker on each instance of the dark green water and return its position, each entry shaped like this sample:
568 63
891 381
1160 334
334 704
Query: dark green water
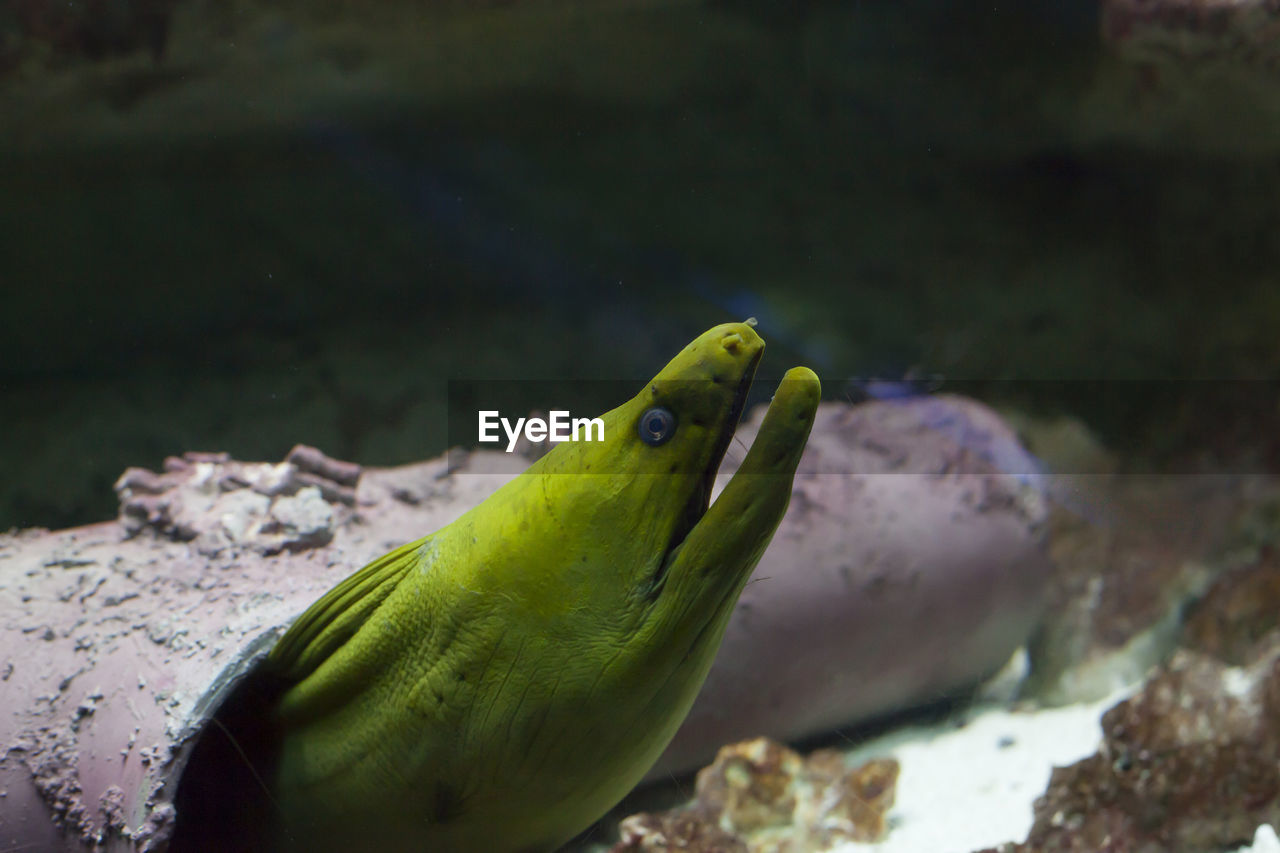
335 234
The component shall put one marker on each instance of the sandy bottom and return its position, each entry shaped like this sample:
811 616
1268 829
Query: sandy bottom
970 783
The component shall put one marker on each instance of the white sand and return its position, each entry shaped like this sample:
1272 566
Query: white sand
1264 841
968 787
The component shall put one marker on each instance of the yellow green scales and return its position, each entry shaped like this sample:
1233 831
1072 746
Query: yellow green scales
500 684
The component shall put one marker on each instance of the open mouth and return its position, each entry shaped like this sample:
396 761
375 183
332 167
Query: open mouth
700 499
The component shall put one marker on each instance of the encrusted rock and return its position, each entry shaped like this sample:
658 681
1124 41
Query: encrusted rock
1240 609
1246 32
220 502
1130 554
1192 75
1191 763
761 797
690 831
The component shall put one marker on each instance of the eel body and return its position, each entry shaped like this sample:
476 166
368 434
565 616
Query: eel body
501 683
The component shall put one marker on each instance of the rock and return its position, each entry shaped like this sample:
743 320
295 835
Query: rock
1191 763
219 501
1131 554
1236 32
1188 75
761 797
1238 611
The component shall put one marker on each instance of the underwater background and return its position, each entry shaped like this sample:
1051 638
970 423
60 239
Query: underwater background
238 226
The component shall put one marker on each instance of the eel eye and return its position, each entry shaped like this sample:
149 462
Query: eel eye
656 426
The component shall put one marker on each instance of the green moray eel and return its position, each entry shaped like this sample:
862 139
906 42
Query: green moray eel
500 684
